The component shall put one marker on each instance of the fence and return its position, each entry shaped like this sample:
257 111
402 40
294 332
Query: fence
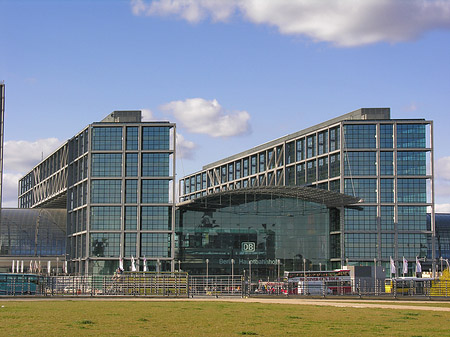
169 284
217 285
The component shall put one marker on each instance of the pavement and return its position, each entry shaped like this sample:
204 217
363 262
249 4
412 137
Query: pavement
379 304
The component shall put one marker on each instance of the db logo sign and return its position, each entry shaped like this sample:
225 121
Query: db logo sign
248 246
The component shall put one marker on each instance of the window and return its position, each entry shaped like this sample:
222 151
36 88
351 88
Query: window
323 142
411 163
411 136
360 246
360 164
300 149
155 245
361 220
155 138
412 190
132 138
323 168
310 146
245 167
155 164
155 191
105 244
253 164
334 138
387 190
131 164
290 175
386 163
130 218
387 218
106 164
105 218
106 191
290 153
335 165
262 162
156 218
386 136
360 136
311 171
362 188
412 218
106 138
130 244
131 191
301 180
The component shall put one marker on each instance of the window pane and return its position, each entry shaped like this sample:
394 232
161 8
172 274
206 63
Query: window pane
106 138
155 191
155 138
106 191
156 218
105 218
132 138
155 164
360 136
106 164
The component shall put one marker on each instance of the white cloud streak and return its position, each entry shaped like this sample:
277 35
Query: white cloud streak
147 115
201 116
185 148
345 23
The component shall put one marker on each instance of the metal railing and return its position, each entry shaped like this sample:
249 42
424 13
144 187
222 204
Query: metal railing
216 285
180 284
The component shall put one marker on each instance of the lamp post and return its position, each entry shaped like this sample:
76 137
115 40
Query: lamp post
304 276
179 266
278 280
320 266
375 274
232 275
250 274
207 273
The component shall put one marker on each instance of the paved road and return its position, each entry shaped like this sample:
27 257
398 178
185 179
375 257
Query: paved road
383 304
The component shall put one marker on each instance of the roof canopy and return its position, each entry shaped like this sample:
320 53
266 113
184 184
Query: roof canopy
238 196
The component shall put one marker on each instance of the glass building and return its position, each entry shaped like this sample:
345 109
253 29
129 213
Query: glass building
259 230
115 179
32 234
385 162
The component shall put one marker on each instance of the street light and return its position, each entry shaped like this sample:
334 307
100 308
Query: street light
250 273
207 272
278 281
232 275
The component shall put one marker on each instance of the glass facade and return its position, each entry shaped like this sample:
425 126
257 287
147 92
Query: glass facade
117 170
32 233
384 162
254 228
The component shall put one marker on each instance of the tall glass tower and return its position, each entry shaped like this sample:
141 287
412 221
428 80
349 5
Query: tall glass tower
116 179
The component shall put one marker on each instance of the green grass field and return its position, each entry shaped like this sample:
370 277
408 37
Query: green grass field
193 318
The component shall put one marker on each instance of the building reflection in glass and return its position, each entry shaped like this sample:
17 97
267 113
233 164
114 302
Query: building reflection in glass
255 227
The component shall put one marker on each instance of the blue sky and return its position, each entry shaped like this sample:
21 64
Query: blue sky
251 70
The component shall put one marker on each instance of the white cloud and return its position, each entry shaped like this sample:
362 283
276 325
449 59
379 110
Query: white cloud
147 115
343 23
190 10
443 168
198 115
10 189
22 156
185 148
442 208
